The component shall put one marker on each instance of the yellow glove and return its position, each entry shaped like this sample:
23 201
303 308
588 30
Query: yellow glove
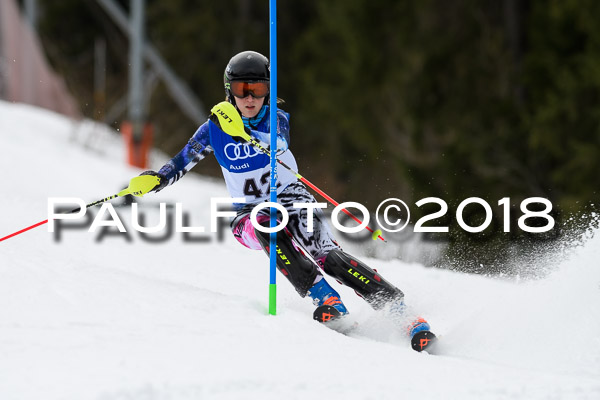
140 185
226 117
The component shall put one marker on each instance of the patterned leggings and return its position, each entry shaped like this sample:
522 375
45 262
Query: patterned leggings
318 243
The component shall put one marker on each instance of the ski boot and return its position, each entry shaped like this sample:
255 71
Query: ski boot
379 293
328 302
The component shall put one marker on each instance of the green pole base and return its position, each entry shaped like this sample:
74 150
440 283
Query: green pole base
273 298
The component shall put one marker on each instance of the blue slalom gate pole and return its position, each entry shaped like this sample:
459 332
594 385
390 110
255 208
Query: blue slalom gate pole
273 124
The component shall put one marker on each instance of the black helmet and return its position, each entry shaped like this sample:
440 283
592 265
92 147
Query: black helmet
247 66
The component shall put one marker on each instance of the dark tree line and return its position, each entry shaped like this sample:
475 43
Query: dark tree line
388 98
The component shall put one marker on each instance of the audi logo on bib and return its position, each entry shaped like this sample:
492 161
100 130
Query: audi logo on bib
240 151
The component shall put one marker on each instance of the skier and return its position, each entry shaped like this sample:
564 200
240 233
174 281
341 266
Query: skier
246 171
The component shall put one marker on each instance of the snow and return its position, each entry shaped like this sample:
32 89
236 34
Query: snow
108 318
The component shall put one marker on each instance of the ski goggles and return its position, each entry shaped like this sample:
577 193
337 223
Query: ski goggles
243 89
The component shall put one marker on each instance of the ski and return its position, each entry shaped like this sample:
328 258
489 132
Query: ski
333 319
421 338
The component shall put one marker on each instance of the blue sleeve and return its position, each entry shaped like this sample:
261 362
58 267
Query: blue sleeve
195 150
283 133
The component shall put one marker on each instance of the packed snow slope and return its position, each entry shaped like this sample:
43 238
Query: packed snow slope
118 317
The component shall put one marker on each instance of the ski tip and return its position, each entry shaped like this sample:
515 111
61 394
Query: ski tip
335 320
326 314
424 341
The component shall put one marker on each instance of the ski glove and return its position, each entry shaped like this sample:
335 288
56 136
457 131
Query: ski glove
226 117
148 181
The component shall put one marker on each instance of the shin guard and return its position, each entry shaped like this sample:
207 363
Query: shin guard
297 268
358 276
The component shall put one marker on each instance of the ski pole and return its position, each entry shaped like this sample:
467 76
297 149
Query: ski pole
70 212
375 234
142 182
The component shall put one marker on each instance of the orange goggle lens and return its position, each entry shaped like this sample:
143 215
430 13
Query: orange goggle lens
243 89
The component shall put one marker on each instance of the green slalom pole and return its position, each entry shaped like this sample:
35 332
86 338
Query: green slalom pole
273 122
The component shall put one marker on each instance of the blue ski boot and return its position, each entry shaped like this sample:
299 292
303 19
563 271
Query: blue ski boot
328 302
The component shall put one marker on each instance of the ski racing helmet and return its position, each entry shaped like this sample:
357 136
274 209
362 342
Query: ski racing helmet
247 73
